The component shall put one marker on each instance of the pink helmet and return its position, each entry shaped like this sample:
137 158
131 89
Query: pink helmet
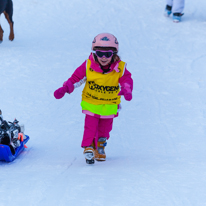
105 40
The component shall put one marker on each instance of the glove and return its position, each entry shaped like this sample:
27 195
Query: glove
126 91
59 93
68 87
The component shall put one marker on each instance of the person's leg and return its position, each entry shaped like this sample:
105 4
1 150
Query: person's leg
169 2
90 130
178 6
104 128
177 10
168 8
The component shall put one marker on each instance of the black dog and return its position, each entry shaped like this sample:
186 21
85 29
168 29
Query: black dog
6 7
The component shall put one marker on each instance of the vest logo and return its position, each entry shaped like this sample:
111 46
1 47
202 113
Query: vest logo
91 69
101 88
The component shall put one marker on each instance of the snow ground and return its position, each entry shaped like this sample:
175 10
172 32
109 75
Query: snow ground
156 153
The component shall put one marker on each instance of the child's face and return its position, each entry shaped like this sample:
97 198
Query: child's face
104 61
104 56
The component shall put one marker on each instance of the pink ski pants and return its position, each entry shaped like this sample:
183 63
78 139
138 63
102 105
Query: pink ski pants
94 128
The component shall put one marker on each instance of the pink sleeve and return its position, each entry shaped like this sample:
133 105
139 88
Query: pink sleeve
126 78
78 74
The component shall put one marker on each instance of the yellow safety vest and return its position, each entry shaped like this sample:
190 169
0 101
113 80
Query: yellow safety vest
100 94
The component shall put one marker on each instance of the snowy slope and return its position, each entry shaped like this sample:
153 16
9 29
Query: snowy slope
156 153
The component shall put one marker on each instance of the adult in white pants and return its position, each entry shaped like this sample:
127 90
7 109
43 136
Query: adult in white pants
177 5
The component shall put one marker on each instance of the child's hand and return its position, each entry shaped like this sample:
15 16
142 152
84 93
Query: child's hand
59 93
126 91
68 87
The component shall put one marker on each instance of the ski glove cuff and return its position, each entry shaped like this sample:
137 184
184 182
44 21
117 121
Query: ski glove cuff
70 87
126 91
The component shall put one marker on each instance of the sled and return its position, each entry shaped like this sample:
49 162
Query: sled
5 152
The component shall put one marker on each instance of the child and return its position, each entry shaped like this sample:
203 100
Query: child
176 7
103 71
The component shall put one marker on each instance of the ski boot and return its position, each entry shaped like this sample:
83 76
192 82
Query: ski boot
89 154
100 154
177 17
168 10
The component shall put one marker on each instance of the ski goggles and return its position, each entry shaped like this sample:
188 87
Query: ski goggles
106 54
